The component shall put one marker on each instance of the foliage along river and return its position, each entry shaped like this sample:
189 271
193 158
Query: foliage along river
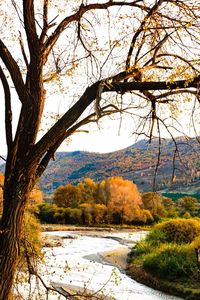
75 262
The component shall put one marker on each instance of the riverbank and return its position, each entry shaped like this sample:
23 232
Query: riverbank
118 258
166 258
91 257
107 228
114 257
174 288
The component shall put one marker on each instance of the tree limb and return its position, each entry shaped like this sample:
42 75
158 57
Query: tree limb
2 158
8 109
30 27
23 50
76 17
72 115
50 153
45 21
139 30
14 71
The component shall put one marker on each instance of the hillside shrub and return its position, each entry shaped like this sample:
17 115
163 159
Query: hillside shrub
171 261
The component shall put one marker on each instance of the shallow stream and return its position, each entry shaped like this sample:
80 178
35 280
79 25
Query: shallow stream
76 263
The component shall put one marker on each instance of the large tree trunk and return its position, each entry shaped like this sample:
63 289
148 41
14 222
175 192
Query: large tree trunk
15 197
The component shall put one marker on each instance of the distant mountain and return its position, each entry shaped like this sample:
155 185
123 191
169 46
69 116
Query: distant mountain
137 163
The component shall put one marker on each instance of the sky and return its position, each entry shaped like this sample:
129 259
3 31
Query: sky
106 138
103 137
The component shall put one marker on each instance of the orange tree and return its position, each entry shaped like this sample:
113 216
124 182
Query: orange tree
101 52
124 199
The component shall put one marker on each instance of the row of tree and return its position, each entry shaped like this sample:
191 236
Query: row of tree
113 200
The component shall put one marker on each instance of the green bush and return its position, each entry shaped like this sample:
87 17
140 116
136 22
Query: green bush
59 215
142 247
47 212
75 216
155 237
179 231
171 261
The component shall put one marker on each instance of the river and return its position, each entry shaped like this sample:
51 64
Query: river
78 262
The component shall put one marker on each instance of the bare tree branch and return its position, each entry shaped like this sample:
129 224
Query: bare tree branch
140 30
45 21
30 27
2 158
8 110
76 17
23 50
14 71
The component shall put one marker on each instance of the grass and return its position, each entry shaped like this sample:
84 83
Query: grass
165 260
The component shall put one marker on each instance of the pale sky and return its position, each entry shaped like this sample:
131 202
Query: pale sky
105 139
106 136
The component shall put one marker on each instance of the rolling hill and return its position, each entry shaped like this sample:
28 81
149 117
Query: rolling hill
137 163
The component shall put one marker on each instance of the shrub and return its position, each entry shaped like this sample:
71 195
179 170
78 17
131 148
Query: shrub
171 261
155 237
179 230
59 215
186 215
75 216
31 246
142 247
46 212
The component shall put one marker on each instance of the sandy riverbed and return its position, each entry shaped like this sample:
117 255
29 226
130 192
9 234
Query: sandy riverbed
116 257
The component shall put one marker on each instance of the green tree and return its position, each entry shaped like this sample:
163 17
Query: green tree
153 202
187 204
170 207
88 190
100 214
43 58
68 196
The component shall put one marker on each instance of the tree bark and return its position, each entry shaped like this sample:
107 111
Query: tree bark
15 198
